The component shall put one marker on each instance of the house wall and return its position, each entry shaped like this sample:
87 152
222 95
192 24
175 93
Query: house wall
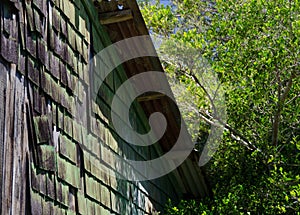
3 75
56 142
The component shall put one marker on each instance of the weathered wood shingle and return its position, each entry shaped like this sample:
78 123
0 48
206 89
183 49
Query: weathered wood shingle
58 146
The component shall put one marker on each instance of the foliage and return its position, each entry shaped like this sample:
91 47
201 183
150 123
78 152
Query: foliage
253 46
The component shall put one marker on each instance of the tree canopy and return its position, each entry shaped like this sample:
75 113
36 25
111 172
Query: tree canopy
253 47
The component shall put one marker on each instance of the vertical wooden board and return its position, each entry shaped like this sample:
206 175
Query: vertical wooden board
14 153
20 146
3 77
8 142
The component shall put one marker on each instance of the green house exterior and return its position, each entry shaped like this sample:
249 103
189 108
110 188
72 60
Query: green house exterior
51 162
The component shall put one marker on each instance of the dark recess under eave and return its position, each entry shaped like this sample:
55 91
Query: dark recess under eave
127 23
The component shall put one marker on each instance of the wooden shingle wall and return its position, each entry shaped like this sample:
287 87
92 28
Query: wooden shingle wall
54 161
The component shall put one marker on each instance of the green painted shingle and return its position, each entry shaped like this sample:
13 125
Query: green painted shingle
68 172
46 157
68 149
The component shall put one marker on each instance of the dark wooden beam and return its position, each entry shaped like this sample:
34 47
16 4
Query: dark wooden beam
114 17
150 97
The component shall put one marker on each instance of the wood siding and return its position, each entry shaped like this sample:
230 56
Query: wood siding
50 162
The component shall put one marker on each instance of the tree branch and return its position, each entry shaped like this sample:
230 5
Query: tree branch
233 133
210 119
280 104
